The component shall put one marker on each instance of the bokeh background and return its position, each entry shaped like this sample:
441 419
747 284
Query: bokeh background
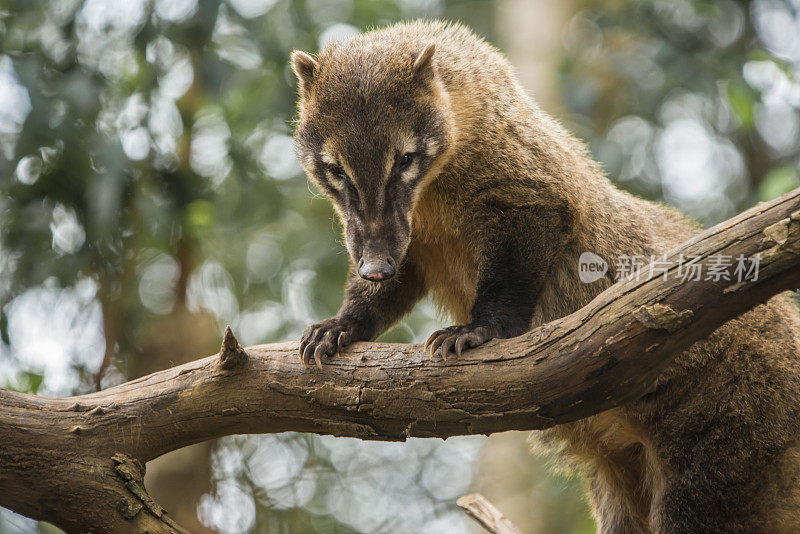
149 195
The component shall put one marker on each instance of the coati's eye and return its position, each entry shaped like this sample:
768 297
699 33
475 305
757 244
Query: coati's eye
337 171
405 160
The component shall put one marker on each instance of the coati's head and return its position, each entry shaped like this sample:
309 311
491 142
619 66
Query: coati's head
375 125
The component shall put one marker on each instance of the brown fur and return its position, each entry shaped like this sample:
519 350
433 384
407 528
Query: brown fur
715 447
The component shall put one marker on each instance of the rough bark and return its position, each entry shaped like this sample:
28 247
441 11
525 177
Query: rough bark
78 462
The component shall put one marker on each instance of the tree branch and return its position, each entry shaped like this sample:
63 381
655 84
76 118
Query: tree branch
486 514
78 462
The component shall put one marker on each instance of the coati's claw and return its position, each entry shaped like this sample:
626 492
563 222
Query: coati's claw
435 341
463 340
326 338
307 354
342 342
318 352
458 338
431 338
447 344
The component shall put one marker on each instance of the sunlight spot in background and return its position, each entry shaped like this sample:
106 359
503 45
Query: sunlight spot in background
679 13
584 33
11 523
29 169
368 486
174 67
15 105
278 157
133 112
325 12
62 11
175 10
52 330
105 31
260 324
264 257
299 311
209 151
230 510
275 466
702 174
133 137
177 79
338 33
158 275
778 125
455 521
68 234
211 289
727 24
274 150
136 143
634 137
252 8
778 26
160 52
233 43
106 17
165 125
773 83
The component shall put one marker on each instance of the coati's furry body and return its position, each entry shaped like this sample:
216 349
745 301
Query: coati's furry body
491 217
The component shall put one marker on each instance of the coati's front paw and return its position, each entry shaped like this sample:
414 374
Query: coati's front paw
326 338
459 337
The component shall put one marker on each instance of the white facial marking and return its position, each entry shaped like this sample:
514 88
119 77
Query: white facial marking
409 144
329 158
388 163
328 155
431 147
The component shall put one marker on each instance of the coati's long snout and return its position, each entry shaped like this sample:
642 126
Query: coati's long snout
376 265
377 255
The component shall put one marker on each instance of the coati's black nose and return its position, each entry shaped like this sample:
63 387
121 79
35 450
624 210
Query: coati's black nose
376 270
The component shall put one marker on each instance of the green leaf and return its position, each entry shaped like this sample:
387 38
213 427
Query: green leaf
778 181
199 215
27 382
742 101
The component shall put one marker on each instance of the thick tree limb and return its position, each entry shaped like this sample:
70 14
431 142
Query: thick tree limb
77 462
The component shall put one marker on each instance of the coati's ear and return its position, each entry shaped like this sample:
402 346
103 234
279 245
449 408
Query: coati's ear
423 63
305 67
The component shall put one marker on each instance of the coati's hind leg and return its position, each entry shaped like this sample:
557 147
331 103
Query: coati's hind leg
698 503
619 492
730 499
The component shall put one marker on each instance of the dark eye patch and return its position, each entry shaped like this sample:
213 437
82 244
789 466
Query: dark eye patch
338 171
405 160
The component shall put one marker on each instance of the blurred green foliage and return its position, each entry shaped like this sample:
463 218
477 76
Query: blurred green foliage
691 101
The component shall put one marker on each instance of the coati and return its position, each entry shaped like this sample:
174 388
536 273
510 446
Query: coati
449 179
